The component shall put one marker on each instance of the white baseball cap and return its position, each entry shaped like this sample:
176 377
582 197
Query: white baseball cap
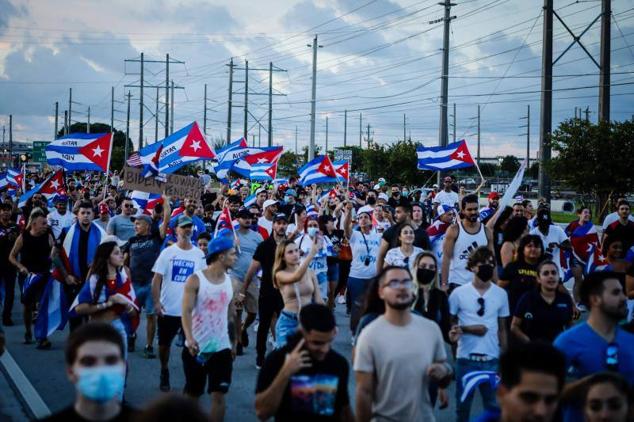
269 202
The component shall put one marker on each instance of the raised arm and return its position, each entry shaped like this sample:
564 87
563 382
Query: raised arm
447 251
295 276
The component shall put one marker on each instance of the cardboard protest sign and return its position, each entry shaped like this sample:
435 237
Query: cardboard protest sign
174 185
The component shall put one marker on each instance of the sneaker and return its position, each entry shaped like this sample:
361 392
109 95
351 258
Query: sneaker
43 345
255 326
148 352
341 299
165 380
28 338
239 350
131 343
352 341
244 338
259 361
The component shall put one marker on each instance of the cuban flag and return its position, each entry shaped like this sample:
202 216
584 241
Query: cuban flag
596 261
15 177
49 188
53 306
227 156
3 180
250 200
319 170
81 151
454 156
255 156
183 147
471 380
224 222
342 168
311 211
263 172
582 237
144 201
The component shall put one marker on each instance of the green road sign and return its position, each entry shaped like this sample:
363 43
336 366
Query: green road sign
39 151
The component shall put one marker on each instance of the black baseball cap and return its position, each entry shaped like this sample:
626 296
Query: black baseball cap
280 216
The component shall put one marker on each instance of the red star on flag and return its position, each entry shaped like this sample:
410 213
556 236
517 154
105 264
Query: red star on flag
98 151
462 153
326 168
263 157
343 171
195 145
272 171
54 185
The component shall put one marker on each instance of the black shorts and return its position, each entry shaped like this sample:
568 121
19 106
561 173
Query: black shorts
216 371
168 327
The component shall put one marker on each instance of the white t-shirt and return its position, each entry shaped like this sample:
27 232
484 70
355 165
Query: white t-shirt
267 224
395 257
58 222
362 254
555 235
463 303
319 263
175 265
612 217
446 198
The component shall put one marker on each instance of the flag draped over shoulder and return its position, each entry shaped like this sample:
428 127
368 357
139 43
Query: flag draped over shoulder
53 306
81 151
70 246
454 156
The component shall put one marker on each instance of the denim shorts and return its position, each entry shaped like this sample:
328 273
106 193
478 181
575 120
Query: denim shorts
333 272
285 327
144 297
322 280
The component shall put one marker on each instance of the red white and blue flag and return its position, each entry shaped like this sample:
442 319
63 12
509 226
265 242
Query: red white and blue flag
318 171
144 201
49 188
183 147
263 172
15 178
454 156
342 168
224 222
255 156
53 307
582 237
81 151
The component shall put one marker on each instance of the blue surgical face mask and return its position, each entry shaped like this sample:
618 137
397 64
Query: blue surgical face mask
312 231
101 383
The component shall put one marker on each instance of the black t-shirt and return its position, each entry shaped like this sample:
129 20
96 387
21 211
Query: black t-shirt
8 235
265 255
624 232
143 250
540 320
210 224
70 415
522 278
318 393
336 237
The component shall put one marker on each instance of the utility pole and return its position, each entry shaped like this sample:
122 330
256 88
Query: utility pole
478 159
604 78
205 113
528 132
587 111
546 100
246 97
368 136
112 110
360 130
156 114
65 122
70 107
230 105
141 106
127 127
56 118
88 125
454 122
311 148
345 127
326 136
167 94
270 104
11 140
172 111
295 140
404 127
259 134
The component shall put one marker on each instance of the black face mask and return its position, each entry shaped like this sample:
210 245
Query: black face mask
371 200
485 272
396 194
425 276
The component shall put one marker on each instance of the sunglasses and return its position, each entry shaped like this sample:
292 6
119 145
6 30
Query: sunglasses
128 206
481 303
612 357
395 284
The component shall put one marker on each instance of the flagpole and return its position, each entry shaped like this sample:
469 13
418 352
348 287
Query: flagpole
481 177
105 187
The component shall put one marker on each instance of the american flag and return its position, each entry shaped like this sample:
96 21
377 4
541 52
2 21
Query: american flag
134 160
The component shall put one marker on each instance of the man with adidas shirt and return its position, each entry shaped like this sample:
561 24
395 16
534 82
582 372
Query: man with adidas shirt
462 238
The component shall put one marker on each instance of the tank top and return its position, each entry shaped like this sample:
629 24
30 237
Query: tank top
210 324
465 244
36 252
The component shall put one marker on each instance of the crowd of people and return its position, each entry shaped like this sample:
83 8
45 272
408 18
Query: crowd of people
438 289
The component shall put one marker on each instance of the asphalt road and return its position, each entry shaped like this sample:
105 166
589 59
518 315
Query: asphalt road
46 372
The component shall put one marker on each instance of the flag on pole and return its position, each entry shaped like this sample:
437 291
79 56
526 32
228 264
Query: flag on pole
183 147
342 168
263 172
15 177
513 187
52 186
319 170
454 156
81 151
268 155
144 201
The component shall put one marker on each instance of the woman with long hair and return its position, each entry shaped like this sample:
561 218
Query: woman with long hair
405 253
319 263
520 276
515 228
298 225
604 396
297 283
108 295
335 237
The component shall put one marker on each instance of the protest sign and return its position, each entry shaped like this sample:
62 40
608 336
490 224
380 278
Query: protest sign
174 185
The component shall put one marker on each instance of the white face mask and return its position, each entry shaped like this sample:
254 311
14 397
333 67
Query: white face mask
312 231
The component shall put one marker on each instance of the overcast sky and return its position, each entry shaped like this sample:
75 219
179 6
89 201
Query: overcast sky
381 58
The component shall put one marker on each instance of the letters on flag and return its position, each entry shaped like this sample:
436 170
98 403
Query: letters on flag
454 156
81 151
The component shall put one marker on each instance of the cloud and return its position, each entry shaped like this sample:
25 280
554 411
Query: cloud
7 11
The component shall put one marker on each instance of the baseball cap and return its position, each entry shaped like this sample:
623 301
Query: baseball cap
103 209
219 244
60 198
269 202
493 195
383 196
244 213
443 209
290 192
280 216
185 220
365 210
143 217
260 190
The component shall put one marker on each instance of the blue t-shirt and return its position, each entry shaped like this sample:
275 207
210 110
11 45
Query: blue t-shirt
585 351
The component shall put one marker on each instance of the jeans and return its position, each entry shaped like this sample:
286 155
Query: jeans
463 367
322 280
144 297
7 281
268 306
286 326
357 287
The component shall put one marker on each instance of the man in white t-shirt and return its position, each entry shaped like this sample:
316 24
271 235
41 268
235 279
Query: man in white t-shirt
478 310
614 216
270 210
553 237
60 218
446 196
171 269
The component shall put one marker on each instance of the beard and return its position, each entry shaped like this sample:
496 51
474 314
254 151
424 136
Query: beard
617 313
400 304
473 218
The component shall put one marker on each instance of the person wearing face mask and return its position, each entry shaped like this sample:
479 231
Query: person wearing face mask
478 310
95 365
171 269
395 196
319 263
